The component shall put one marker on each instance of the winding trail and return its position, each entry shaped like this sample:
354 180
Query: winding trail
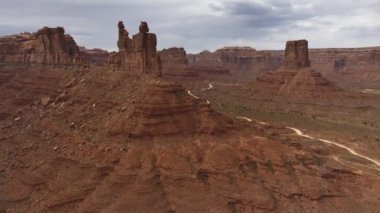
353 152
300 133
191 94
372 91
210 86
244 118
228 84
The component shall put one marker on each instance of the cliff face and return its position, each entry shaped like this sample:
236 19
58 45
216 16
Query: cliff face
173 58
174 63
94 56
346 59
235 58
295 78
322 60
296 54
136 54
46 46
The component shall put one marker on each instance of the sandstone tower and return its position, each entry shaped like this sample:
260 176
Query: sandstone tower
296 55
137 54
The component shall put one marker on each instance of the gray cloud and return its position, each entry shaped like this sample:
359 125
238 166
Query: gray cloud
202 24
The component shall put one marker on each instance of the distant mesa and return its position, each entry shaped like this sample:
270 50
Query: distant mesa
46 46
174 63
137 54
95 56
295 75
173 58
230 59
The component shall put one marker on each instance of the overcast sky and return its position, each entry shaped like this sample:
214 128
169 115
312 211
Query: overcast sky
203 24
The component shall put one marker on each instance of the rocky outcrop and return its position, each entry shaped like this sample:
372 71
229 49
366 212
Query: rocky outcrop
46 46
235 59
137 54
210 70
374 57
295 78
296 55
173 58
362 63
94 56
174 63
166 108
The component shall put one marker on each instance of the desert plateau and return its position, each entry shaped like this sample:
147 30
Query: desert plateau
148 126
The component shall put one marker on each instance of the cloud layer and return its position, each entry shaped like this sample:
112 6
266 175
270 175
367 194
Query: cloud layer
203 24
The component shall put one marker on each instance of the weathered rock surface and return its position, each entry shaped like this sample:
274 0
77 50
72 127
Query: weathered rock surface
361 63
173 58
94 56
57 154
235 59
46 46
295 78
167 109
210 70
174 63
138 54
296 55
246 172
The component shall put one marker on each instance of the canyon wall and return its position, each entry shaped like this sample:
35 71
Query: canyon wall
322 60
236 58
173 58
46 46
94 56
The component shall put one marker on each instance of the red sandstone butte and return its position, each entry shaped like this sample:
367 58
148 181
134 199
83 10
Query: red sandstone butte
46 46
137 54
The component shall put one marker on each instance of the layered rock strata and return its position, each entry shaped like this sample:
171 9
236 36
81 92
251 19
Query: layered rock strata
173 58
355 60
167 109
94 56
46 46
295 76
137 54
174 63
296 55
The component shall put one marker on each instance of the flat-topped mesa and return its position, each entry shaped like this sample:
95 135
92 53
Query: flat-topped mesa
173 58
174 63
296 55
138 54
46 46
